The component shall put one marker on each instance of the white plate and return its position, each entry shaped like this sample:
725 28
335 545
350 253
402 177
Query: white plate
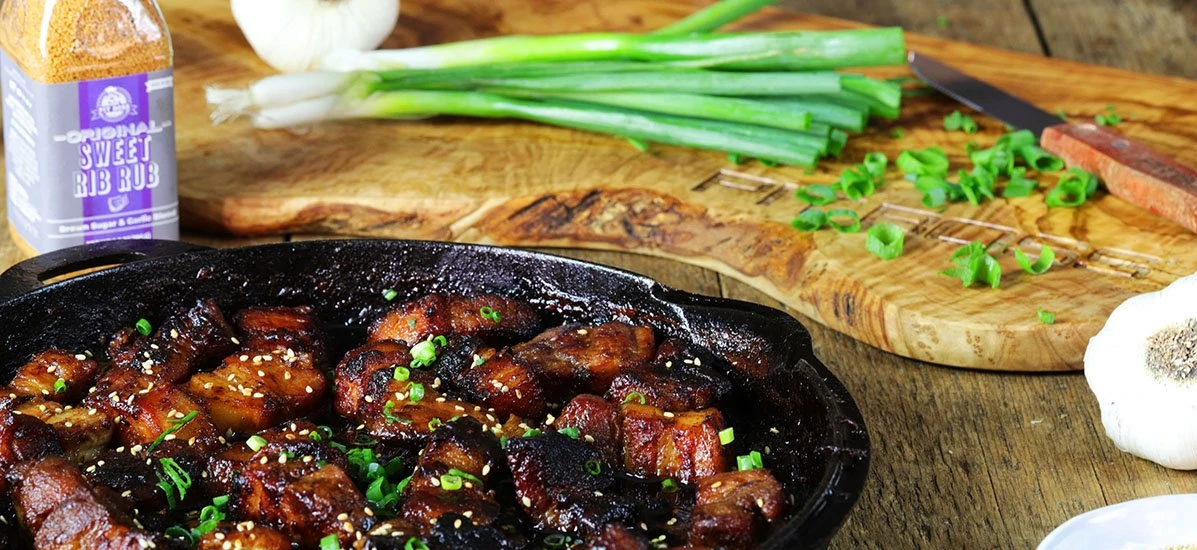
1155 523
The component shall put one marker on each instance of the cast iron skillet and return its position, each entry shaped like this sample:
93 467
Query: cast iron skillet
820 452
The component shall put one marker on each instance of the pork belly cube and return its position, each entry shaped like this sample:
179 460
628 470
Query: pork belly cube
455 315
255 390
579 358
148 408
464 445
464 533
41 376
84 432
681 446
460 445
131 476
321 503
505 386
357 369
732 509
182 345
397 411
391 534
282 328
254 479
616 537
598 422
227 536
57 506
24 438
563 484
36 406
679 380
428 505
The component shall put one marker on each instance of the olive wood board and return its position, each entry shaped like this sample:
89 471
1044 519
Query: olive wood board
522 184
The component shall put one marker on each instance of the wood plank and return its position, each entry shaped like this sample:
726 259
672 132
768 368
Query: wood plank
1157 36
974 459
996 23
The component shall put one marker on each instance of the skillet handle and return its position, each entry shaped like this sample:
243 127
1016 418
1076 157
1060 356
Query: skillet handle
29 275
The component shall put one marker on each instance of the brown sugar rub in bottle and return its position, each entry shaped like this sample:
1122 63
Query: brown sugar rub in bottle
89 138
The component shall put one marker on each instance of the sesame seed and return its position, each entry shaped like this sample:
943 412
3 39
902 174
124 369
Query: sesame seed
244 358
716 484
369 399
81 357
485 469
598 493
258 395
668 414
174 333
527 501
286 375
457 523
235 340
308 389
342 516
773 430
583 332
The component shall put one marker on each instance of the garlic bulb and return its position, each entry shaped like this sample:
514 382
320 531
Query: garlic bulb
293 35
1142 367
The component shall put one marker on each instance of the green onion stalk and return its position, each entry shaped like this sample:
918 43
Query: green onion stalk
715 16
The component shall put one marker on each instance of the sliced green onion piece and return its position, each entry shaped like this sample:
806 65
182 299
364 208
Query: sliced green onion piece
532 432
330 542
255 443
853 218
556 540
414 543
571 431
388 413
174 481
175 425
669 485
402 373
726 437
417 392
750 461
856 183
489 314
464 475
960 121
60 386
998 159
1039 159
450 482
974 263
931 161
144 327
1019 185
440 341
817 195
178 532
1073 189
936 190
811 219
1043 263
433 424
594 467
715 16
635 396
875 164
390 294
885 240
1047 317
478 360
423 354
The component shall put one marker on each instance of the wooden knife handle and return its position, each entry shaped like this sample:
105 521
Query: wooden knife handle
1130 171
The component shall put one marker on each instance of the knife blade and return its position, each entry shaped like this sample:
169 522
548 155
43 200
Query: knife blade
1129 170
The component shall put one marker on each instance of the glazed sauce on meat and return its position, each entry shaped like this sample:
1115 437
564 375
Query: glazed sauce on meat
453 422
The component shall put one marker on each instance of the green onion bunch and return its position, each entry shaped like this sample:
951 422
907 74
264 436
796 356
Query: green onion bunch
773 96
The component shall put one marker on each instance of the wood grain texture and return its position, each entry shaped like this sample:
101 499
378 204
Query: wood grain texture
522 184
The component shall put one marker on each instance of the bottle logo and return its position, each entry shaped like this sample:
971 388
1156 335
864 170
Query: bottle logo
113 105
118 203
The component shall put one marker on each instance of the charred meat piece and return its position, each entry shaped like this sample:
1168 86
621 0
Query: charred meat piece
412 409
255 479
562 483
84 432
321 503
682 378
257 389
132 476
245 537
577 358
617 537
183 344
682 446
457 532
55 374
148 408
598 422
495 319
280 329
357 369
391 534
733 508
462 452
22 438
35 406
56 505
494 380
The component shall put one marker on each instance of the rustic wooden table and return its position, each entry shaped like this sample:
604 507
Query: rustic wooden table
967 459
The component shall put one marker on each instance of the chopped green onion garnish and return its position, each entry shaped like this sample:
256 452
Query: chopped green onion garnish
852 226
144 327
1039 159
388 412
669 485
331 542
478 360
885 240
571 431
417 392
1046 257
1111 119
402 373
174 481
750 461
179 532
255 443
897 133
974 263
635 396
942 21
1019 185
434 424
532 432
875 164
960 121
423 354
727 436
594 467
857 183
489 314
556 540
811 219
390 294
936 190
60 386
931 161
1062 114
175 425
1073 189
414 543
1047 317
817 195
450 482
464 475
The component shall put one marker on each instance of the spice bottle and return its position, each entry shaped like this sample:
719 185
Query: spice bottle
89 139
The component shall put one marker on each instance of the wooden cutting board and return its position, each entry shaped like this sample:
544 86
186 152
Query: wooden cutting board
522 184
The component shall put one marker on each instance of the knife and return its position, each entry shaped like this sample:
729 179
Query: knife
1130 171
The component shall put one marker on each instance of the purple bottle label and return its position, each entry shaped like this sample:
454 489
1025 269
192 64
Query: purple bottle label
90 161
